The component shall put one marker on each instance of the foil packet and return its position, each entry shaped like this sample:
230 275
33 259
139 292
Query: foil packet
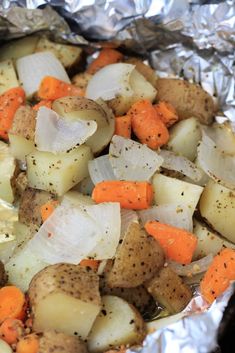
192 39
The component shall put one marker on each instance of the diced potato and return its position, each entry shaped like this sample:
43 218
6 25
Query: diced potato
169 290
65 298
8 77
18 48
173 191
81 80
21 134
8 219
7 171
30 206
57 173
137 259
77 198
22 266
20 147
23 234
137 296
208 241
184 138
69 55
118 323
217 207
55 342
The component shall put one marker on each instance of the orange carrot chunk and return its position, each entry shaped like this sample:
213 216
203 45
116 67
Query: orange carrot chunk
219 274
10 101
178 244
44 103
47 209
94 264
130 194
123 126
12 303
106 57
147 125
11 330
167 113
51 88
28 344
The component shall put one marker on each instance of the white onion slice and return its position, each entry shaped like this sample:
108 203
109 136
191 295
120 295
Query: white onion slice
193 268
107 216
131 160
100 169
176 216
127 218
86 186
72 233
110 81
55 134
220 166
180 164
33 68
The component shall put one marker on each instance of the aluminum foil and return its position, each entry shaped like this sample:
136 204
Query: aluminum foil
181 38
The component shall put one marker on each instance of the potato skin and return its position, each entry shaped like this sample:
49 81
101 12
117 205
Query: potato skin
30 204
188 99
54 342
138 296
143 69
81 80
60 278
169 290
24 122
138 258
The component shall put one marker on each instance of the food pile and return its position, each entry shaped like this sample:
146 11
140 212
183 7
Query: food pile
117 196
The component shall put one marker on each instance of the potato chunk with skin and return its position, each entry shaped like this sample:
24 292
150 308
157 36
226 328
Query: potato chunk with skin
168 289
137 296
138 258
118 323
169 190
55 342
188 99
21 134
144 69
8 77
57 173
65 298
217 207
15 49
7 173
30 204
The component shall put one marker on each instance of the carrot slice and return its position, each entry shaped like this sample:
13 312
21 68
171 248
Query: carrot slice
106 57
12 303
44 103
123 126
147 125
10 101
11 330
219 274
178 244
130 194
28 344
47 209
51 88
166 113
94 264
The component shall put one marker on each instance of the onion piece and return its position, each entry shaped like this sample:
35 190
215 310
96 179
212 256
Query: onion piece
223 136
111 81
180 164
220 166
86 186
131 160
127 218
60 135
33 68
73 233
193 268
100 169
176 216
